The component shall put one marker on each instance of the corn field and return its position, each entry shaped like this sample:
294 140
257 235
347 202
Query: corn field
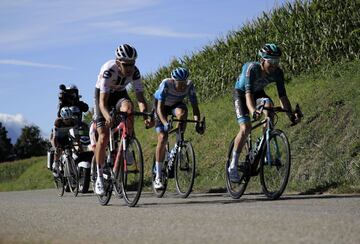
310 33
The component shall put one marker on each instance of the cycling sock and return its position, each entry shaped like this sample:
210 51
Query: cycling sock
158 169
234 160
99 170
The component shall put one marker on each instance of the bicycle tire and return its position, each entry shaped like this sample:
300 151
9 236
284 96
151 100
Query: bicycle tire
280 169
132 178
72 176
108 186
84 179
59 183
185 166
236 190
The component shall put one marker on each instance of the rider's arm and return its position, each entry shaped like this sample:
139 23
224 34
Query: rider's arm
285 104
196 111
250 103
141 101
160 112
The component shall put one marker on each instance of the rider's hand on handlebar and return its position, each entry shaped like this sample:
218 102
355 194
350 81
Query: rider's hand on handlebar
256 115
295 118
167 127
149 123
199 127
109 121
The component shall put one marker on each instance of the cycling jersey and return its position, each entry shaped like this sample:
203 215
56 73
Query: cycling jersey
170 96
251 80
110 80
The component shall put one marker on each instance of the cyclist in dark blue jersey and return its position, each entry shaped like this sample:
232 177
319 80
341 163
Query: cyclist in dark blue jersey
249 91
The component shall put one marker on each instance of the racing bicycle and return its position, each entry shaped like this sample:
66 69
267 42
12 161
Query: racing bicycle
179 162
269 156
123 169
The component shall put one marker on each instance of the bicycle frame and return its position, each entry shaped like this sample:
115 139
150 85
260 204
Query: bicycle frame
265 135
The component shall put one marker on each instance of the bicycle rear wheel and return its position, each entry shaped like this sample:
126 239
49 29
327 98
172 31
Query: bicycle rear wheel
132 176
72 175
236 190
185 169
275 169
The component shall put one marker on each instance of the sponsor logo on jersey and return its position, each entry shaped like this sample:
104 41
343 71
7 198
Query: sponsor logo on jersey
107 74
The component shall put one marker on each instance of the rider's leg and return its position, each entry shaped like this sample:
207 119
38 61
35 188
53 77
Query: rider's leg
125 105
181 114
239 143
100 149
160 152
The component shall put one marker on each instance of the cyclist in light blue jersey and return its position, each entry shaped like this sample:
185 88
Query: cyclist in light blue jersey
169 100
249 92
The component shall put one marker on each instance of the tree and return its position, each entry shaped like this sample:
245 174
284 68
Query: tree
6 148
30 143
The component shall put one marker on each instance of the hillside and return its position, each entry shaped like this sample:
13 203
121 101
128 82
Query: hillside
325 145
320 40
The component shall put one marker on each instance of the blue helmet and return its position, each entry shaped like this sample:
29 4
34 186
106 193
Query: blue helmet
180 73
270 51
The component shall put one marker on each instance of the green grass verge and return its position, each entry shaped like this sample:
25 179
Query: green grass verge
325 146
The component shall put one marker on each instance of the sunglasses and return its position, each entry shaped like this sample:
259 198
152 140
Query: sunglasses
125 64
273 61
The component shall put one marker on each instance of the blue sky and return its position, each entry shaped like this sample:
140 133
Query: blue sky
46 43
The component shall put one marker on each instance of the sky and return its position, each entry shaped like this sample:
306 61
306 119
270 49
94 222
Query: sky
46 43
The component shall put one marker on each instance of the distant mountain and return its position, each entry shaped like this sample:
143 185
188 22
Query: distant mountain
13 125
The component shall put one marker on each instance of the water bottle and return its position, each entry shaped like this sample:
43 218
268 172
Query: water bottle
50 159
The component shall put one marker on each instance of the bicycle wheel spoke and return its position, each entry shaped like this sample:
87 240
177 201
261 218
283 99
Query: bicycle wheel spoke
236 190
276 166
185 170
132 175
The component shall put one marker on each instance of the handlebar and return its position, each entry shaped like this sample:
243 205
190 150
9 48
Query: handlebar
172 119
278 109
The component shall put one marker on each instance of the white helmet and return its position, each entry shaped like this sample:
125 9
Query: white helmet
126 52
71 87
66 113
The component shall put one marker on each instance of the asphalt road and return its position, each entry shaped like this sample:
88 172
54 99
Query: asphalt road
42 217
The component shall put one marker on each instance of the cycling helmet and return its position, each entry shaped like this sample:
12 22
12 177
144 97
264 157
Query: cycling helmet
270 51
74 110
66 113
126 52
180 74
71 87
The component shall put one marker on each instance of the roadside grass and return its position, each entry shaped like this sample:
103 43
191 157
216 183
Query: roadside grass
25 174
325 146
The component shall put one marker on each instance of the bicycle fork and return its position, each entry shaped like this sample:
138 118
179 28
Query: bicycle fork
268 150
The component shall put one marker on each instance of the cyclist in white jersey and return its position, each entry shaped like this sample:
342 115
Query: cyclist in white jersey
169 101
110 92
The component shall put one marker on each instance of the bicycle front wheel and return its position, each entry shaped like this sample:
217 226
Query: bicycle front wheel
132 172
59 183
275 165
72 175
185 169
237 189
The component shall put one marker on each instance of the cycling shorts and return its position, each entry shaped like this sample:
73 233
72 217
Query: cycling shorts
241 109
115 100
169 110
